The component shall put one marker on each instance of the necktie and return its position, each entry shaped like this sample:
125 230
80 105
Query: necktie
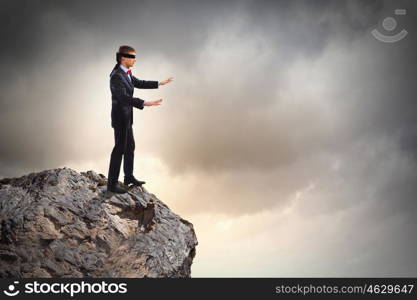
129 72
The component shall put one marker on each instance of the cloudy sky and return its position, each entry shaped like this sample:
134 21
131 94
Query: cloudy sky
288 136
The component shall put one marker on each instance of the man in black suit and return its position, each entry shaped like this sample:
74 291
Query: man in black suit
122 84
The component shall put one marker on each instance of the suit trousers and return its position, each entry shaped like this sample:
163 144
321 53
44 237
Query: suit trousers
124 145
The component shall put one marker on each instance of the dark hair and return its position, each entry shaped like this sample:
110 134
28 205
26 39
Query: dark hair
122 49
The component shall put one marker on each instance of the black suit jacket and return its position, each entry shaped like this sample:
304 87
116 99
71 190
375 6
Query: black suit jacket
122 96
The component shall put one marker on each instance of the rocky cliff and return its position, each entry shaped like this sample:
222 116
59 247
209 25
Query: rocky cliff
61 223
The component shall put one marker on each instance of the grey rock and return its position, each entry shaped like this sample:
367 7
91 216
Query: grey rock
61 223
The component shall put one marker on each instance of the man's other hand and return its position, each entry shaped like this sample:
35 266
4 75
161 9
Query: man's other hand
166 81
153 103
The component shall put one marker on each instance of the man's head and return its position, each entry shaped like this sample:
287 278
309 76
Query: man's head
123 56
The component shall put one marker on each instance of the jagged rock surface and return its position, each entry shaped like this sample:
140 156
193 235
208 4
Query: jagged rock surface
61 223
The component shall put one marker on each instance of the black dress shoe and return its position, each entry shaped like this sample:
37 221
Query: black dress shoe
133 180
116 189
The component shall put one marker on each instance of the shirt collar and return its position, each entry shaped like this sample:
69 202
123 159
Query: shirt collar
123 68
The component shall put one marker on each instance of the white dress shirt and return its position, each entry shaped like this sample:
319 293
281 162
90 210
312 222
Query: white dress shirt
126 69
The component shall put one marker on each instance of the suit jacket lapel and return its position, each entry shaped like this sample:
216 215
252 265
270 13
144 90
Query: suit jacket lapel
127 78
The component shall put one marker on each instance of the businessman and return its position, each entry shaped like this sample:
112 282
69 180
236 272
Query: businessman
122 84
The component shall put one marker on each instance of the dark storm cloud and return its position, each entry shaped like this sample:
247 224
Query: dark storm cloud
247 86
243 121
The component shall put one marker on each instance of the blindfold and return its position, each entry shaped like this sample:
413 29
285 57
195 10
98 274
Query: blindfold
118 54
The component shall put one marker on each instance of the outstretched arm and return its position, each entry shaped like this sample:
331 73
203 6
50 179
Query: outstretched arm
144 84
119 91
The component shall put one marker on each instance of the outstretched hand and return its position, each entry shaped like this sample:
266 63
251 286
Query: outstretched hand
166 81
153 103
